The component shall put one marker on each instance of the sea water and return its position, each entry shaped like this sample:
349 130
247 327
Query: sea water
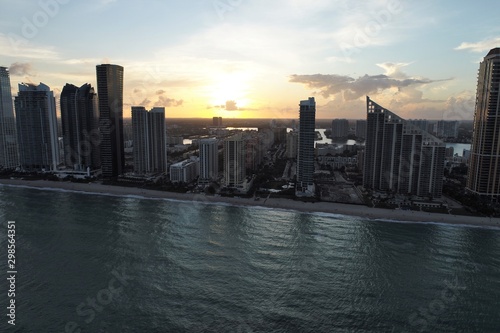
96 263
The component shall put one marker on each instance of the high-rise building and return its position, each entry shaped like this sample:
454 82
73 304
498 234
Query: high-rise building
234 161
446 129
305 157
340 128
80 127
110 90
209 160
484 164
150 147
217 121
8 137
361 128
292 144
37 128
185 171
419 123
400 157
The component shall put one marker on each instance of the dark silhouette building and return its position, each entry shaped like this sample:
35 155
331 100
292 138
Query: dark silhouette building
80 126
110 91
8 136
37 128
484 166
400 157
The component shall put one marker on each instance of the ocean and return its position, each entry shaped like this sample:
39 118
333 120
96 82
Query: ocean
97 263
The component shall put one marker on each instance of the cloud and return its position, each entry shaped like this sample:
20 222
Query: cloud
160 92
168 102
482 46
20 69
231 106
17 47
351 88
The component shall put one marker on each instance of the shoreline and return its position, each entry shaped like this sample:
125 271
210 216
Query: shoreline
360 211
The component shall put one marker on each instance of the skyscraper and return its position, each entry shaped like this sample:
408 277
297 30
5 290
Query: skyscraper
484 166
217 121
8 137
292 143
80 126
446 129
209 160
305 157
234 161
340 128
150 147
37 127
110 90
361 128
400 157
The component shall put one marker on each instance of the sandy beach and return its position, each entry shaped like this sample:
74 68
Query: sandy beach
271 203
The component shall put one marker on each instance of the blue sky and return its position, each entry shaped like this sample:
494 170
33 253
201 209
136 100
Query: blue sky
255 58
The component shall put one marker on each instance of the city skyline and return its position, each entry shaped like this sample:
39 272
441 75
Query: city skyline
238 59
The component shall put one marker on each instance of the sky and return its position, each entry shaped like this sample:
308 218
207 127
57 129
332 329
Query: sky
256 58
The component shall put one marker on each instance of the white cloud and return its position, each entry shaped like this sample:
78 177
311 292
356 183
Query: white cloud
481 46
18 47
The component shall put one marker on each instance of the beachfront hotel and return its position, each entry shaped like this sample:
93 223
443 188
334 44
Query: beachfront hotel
484 166
234 161
80 127
110 92
305 156
400 157
8 136
150 148
209 160
37 128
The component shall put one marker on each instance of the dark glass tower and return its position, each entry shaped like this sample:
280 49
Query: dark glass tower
37 128
401 157
110 90
484 166
8 138
305 158
80 125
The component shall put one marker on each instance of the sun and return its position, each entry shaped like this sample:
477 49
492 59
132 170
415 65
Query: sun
229 88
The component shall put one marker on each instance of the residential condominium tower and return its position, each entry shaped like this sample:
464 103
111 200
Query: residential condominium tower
400 157
305 157
209 160
340 128
8 137
150 146
37 128
234 161
110 90
80 126
484 166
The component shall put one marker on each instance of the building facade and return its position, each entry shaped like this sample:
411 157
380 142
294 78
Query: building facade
234 161
80 127
110 90
340 128
446 129
400 157
361 128
9 158
209 160
484 164
185 171
305 156
292 144
37 128
149 137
